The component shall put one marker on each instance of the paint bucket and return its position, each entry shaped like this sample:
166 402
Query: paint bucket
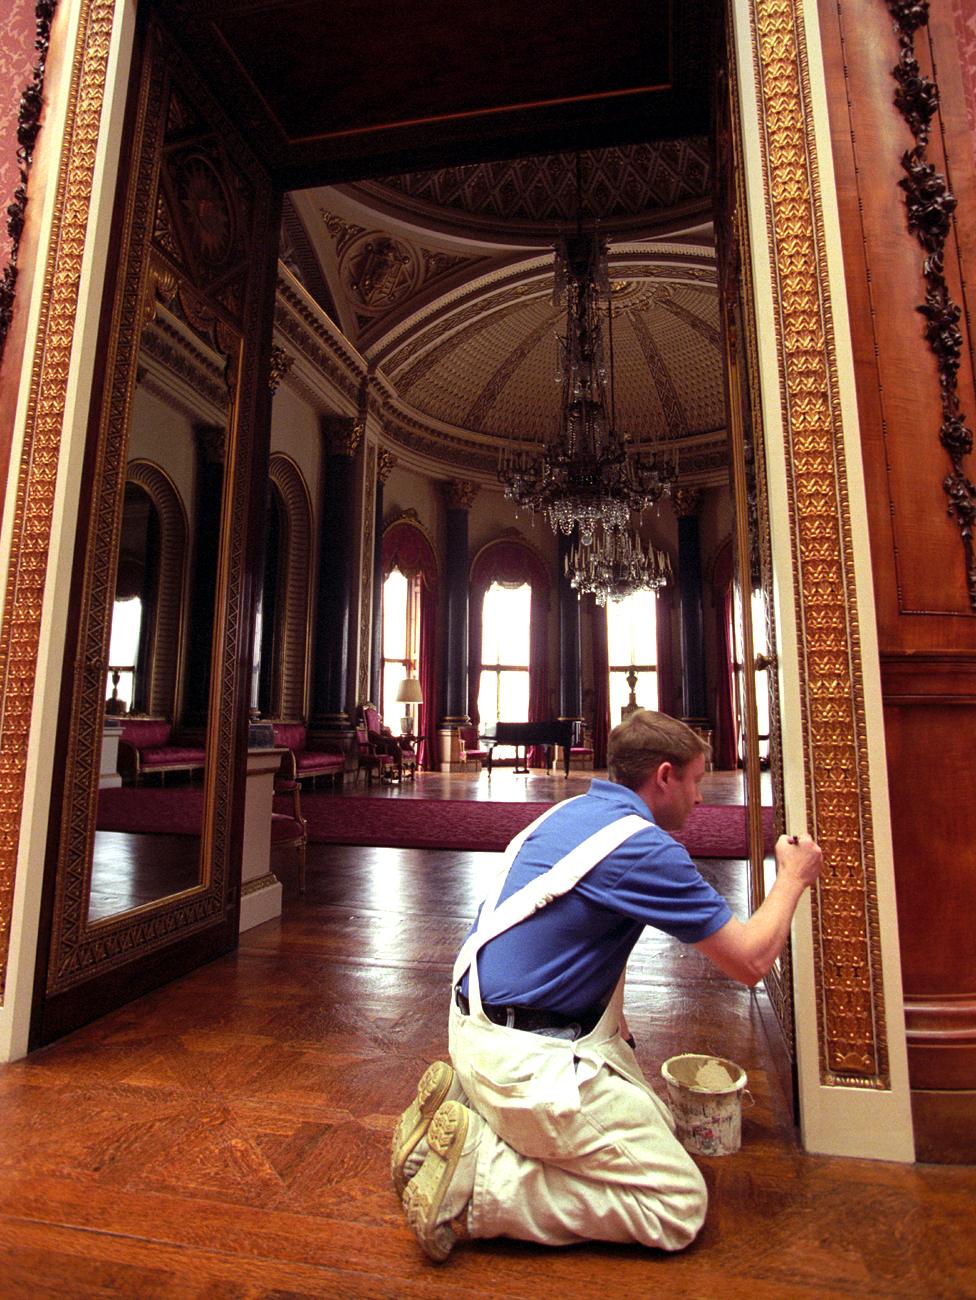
705 1093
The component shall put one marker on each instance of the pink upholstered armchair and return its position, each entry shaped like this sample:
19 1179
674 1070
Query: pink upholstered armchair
401 749
370 758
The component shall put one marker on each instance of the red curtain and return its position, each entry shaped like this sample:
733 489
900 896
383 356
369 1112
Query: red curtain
726 747
601 685
406 547
514 562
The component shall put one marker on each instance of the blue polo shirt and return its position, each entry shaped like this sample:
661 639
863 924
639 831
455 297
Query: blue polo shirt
568 956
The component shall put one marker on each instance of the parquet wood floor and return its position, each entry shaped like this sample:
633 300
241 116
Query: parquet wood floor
228 1135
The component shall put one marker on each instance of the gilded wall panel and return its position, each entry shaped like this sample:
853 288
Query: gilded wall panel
850 998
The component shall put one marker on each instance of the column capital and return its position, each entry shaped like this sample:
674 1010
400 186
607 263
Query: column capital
686 501
281 363
342 434
386 462
211 442
459 493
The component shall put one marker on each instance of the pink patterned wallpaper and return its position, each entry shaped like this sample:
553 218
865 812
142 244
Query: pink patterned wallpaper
964 12
16 68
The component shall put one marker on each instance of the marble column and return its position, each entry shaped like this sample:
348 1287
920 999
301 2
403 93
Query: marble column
687 503
334 588
458 496
570 680
211 442
385 462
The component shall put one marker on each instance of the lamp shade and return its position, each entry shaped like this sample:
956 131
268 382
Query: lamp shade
408 692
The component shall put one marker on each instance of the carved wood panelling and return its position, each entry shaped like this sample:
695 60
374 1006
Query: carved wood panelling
930 206
926 627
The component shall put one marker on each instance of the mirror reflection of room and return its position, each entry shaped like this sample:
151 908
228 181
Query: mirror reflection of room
150 807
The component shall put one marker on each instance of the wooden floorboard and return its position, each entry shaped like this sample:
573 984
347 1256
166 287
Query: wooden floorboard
228 1135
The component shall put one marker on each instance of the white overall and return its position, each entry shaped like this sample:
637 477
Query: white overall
577 1146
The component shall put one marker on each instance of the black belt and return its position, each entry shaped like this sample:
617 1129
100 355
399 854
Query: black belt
530 1019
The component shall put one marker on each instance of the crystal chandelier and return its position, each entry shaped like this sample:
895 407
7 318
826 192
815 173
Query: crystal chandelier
584 475
615 564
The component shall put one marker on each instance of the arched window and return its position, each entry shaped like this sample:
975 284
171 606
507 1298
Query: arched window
632 652
268 638
401 638
123 653
510 563
134 612
504 690
280 683
409 552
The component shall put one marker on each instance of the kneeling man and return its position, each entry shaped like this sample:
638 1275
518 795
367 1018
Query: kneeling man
543 1126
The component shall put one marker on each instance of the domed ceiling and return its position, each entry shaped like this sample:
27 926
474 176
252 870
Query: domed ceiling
443 281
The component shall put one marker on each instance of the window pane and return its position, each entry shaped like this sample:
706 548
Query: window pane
126 621
632 629
395 616
645 692
124 648
759 645
514 696
505 626
488 699
393 674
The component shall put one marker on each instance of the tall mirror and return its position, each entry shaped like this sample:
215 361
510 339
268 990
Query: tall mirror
151 751
150 803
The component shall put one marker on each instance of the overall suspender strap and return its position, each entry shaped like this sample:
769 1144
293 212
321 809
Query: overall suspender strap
558 880
511 853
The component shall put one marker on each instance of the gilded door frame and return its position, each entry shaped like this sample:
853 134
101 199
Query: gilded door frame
852 1070
850 1030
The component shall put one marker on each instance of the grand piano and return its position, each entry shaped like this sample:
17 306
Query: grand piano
525 734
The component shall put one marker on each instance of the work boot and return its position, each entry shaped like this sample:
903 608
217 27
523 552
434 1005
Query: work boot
437 1197
438 1084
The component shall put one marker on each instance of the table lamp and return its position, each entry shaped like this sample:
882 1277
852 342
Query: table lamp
408 693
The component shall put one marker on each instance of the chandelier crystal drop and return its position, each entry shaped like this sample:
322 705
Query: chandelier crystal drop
584 476
615 564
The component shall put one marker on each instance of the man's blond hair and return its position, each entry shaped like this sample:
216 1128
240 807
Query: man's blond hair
644 740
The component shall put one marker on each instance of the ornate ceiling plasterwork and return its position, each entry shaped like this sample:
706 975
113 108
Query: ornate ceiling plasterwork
538 196
443 283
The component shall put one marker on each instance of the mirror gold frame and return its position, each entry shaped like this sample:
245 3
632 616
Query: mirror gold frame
230 296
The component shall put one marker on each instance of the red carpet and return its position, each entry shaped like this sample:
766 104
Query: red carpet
713 830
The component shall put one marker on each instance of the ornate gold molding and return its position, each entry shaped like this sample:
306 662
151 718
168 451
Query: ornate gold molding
385 464
81 951
342 434
686 501
847 957
34 509
281 363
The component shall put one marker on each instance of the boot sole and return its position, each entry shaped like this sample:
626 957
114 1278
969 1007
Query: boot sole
432 1091
425 1195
